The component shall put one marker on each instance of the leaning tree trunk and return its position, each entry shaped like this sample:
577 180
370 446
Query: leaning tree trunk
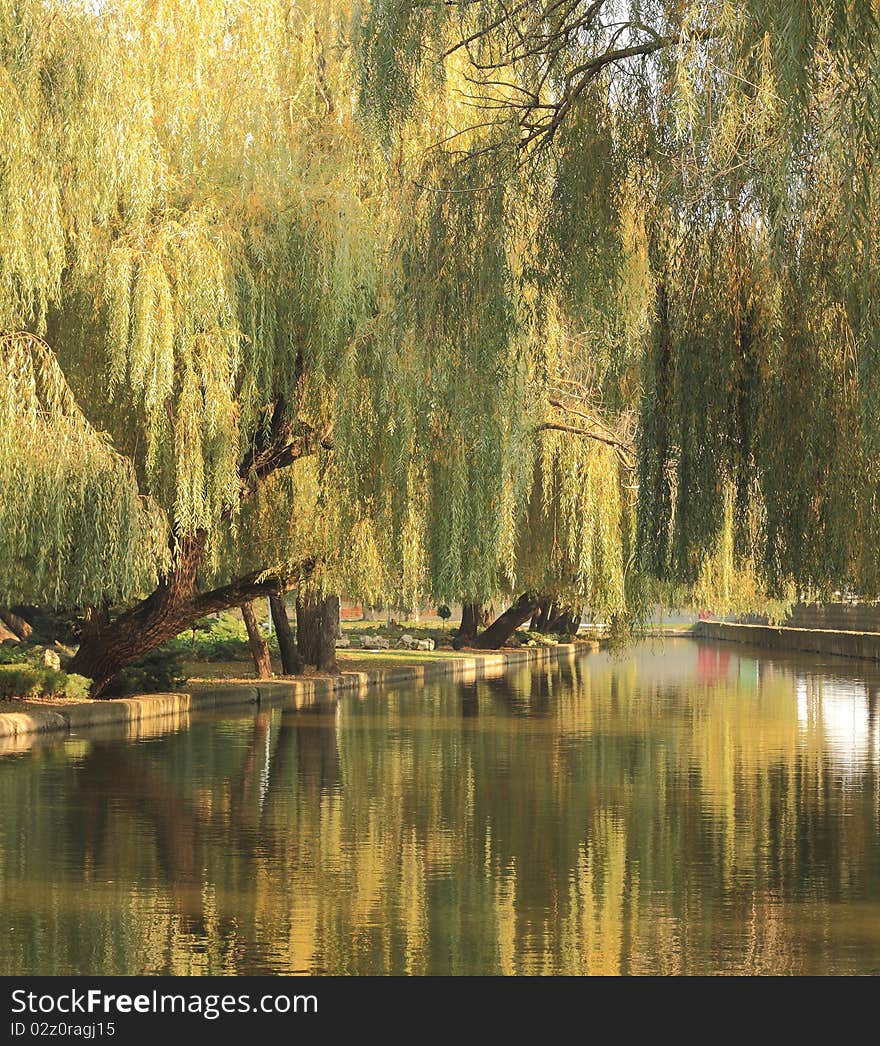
471 618
317 620
257 642
176 604
16 624
503 627
291 662
106 646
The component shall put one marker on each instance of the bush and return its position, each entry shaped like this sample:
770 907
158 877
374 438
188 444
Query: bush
444 612
12 654
212 639
32 680
160 670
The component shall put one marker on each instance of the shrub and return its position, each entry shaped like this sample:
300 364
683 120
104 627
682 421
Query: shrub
25 680
444 612
212 639
159 670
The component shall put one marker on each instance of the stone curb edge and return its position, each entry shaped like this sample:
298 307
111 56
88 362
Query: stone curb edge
862 645
66 719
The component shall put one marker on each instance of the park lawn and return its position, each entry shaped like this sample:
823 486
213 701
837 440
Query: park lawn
242 669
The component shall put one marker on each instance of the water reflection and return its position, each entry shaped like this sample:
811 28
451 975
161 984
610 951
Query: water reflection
843 715
687 807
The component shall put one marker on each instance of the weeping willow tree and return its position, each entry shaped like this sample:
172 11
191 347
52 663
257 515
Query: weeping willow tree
274 332
186 251
518 359
694 186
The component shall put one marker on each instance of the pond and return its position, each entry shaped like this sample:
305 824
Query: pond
677 807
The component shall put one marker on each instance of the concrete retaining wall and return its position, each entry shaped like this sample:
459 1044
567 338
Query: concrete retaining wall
835 617
864 645
132 713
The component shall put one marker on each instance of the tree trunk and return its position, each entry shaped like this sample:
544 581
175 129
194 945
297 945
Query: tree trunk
503 627
256 640
317 620
16 624
563 622
176 604
541 615
329 634
291 662
471 614
307 628
108 646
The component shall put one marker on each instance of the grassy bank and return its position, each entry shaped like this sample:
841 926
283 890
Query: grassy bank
217 649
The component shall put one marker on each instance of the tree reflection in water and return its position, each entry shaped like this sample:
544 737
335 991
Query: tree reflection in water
641 812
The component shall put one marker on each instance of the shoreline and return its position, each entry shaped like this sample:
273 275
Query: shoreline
862 646
58 719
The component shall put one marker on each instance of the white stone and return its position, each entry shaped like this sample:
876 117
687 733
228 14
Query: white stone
425 644
51 660
343 643
406 642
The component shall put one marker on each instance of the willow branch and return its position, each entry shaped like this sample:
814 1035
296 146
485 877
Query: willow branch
625 451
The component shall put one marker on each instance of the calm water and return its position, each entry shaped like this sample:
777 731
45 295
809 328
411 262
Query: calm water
681 807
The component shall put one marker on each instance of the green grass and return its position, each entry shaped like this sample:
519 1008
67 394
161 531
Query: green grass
373 659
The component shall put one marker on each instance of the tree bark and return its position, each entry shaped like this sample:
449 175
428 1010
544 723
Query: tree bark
257 642
291 662
541 615
471 617
317 620
108 646
16 624
503 627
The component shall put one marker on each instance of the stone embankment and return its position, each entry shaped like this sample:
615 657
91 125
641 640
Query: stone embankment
30 718
864 645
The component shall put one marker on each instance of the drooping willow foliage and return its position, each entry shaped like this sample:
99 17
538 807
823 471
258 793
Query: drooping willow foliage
186 220
60 479
472 244
696 186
